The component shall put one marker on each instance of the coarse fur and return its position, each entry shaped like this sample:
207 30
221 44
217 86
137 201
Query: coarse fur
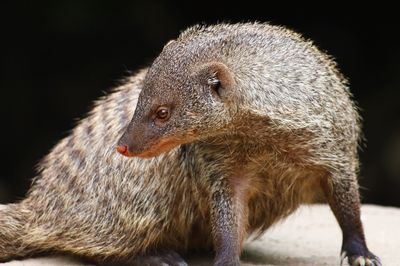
260 122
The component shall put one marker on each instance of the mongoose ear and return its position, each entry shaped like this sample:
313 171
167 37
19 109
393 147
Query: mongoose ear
218 77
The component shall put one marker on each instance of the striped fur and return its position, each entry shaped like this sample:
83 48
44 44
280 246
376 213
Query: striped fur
285 134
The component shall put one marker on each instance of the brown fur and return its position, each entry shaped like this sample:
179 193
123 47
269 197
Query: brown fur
260 122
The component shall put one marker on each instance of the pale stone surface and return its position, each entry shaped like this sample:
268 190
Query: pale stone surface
309 237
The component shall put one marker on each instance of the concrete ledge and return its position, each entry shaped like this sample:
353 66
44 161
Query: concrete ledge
309 237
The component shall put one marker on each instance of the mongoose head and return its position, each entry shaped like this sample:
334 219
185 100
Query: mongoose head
185 97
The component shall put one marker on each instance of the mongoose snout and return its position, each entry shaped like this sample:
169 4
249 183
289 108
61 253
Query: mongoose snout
145 135
161 146
137 145
135 140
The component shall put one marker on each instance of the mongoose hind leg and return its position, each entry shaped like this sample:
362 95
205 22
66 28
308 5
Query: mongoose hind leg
160 258
341 191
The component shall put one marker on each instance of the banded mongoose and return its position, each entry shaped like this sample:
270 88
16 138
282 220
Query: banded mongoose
234 126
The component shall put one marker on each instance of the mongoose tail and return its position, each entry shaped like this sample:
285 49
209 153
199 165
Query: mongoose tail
11 231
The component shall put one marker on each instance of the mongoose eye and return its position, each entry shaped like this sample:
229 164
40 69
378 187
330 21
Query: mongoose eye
162 113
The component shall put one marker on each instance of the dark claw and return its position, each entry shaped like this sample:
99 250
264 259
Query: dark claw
360 260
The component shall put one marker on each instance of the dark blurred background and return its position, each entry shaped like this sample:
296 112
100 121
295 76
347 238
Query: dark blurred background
59 56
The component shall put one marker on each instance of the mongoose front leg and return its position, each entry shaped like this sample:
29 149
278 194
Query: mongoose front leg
228 220
341 190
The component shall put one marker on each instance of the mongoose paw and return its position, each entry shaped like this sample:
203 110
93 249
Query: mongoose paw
166 258
360 260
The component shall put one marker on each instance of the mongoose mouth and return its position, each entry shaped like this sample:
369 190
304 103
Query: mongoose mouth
154 150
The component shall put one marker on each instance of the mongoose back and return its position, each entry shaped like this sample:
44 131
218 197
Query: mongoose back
231 128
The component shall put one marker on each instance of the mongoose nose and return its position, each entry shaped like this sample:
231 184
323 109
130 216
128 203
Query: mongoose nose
123 149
